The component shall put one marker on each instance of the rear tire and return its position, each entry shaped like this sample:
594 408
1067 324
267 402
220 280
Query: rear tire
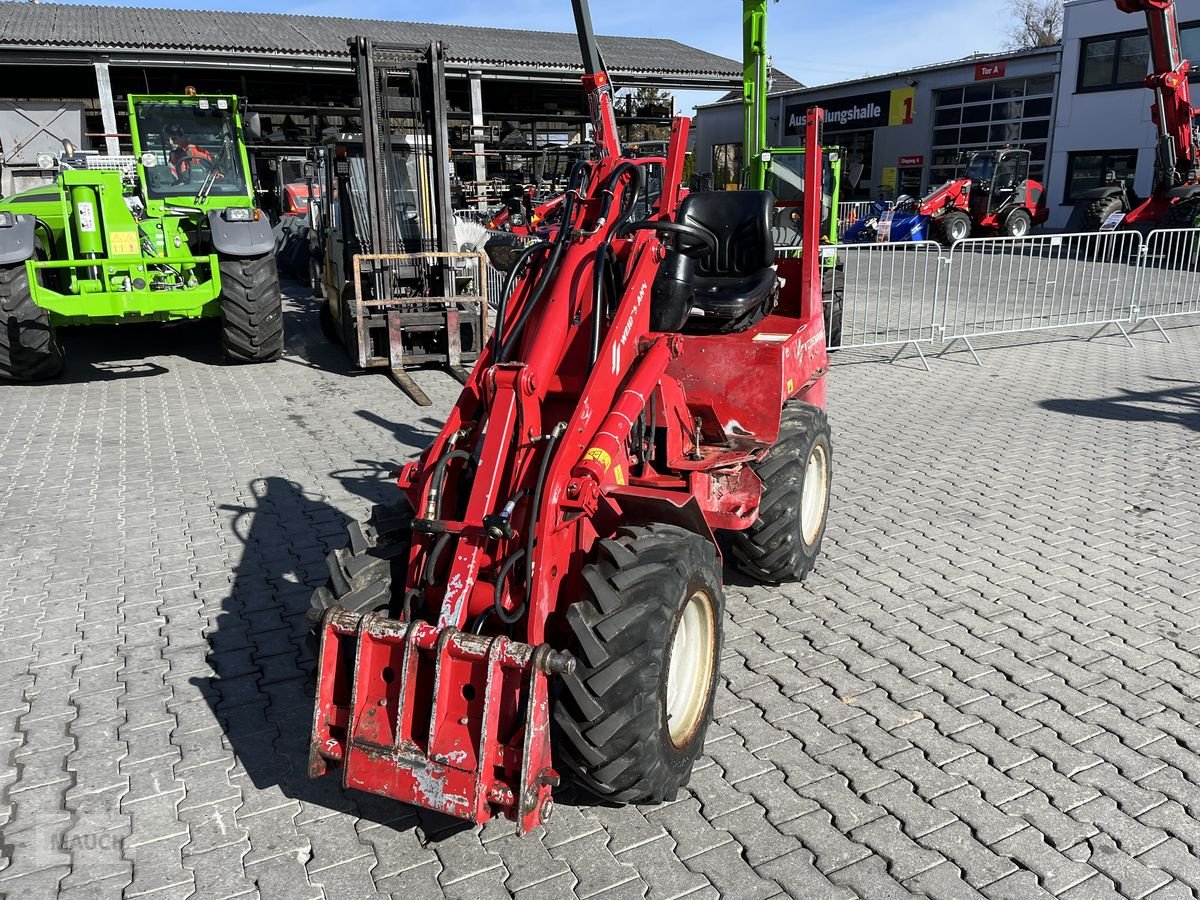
368 574
953 227
1018 223
785 541
29 350
1098 211
315 282
646 637
833 296
251 309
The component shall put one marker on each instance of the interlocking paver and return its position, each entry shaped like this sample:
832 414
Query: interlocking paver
988 686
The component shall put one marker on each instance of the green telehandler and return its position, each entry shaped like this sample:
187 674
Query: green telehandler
169 233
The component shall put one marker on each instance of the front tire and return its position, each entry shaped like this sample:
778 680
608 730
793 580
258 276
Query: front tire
646 638
251 309
953 227
29 349
785 541
1018 223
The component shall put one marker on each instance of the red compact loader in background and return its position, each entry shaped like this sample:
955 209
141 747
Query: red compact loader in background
994 196
654 379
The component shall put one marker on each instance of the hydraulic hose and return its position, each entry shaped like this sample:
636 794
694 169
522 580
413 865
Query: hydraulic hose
539 486
510 281
508 618
561 240
433 503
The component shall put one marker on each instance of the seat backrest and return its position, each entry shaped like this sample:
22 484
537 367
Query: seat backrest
741 223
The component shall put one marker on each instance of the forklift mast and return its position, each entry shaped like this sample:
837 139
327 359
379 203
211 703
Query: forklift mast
1176 162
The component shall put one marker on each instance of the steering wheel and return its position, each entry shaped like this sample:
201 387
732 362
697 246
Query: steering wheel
690 240
188 157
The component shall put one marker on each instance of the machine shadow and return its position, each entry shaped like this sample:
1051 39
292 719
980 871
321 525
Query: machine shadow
117 353
263 657
1133 406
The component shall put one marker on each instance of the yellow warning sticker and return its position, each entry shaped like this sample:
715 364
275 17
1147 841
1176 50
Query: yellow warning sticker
124 243
599 456
619 475
791 387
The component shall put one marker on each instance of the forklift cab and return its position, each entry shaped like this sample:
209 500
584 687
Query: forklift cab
785 179
997 180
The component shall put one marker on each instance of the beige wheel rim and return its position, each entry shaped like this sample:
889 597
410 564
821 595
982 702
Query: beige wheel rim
690 673
815 499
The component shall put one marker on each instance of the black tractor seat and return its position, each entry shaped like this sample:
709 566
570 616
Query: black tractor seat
735 284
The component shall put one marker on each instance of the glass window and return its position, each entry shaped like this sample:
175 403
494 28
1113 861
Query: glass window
1037 130
1039 107
1007 110
945 136
1006 133
1114 62
1092 169
1189 43
952 97
949 116
1097 63
1007 89
976 93
1133 62
195 149
976 134
727 165
1043 84
972 114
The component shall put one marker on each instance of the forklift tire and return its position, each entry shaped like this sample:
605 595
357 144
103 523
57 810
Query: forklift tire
1018 223
646 637
953 227
315 283
1182 214
833 295
1099 210
329 327
29 350
785 541
251 309
368 575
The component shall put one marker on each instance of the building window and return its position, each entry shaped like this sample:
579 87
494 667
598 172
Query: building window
1010 113
1090 169
726 165
1116 61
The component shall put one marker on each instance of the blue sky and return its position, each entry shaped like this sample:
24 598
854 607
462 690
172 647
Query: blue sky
816 41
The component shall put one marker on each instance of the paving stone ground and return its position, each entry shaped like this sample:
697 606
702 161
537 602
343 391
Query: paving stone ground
988 687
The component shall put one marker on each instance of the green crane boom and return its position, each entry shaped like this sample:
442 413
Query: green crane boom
755 66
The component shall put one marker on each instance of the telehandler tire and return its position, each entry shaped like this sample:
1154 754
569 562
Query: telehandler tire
833 295
783 545
251 309
646 637
29 350
368 574
1098 211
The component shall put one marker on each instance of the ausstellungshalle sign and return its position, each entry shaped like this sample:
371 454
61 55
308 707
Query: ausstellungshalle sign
843 114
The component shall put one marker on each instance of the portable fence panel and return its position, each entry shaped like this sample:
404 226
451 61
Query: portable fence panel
1001 285
890 292
1169 280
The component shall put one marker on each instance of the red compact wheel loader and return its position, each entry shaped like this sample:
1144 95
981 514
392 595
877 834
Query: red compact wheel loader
547 596
994 196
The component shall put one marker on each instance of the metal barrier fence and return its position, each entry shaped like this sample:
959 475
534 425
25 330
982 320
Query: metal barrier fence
1169 282
914 294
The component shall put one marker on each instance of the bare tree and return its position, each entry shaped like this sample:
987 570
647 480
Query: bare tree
1035 23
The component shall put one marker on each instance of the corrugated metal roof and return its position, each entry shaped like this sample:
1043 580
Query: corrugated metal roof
118 28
